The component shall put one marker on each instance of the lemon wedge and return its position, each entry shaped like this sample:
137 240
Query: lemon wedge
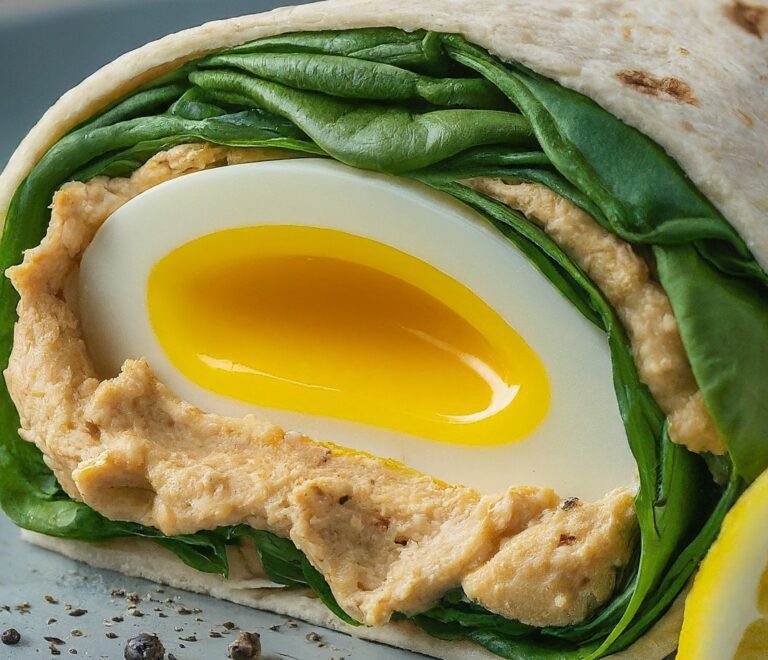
726 612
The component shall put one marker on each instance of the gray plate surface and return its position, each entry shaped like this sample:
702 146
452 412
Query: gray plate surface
32 576
46 47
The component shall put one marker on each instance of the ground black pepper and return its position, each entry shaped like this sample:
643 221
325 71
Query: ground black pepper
569 503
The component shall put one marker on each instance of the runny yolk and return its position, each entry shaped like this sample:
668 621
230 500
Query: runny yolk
327 323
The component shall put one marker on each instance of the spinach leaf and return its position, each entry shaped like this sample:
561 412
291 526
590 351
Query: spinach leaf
677 575
367 135
279 556
724 325
285 564
193 104
141 104
362 79
455 608
242 129
675 499
527 648
418 50
482 159
515 167
123 163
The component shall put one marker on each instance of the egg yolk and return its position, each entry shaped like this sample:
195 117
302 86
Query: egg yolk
327 323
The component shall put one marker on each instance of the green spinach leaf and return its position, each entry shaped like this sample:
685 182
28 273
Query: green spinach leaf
724 325
362 79
419 50
367 135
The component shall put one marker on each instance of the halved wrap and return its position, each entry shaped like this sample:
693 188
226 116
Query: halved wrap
643 125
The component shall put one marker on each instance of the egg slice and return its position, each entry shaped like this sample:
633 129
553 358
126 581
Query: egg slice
285 316
360 309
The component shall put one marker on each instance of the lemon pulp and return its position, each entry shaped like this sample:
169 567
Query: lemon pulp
754 642
328 323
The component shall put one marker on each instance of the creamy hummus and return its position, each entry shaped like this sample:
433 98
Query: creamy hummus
387 539
641 304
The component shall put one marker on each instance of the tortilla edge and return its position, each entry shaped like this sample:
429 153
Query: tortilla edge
142 558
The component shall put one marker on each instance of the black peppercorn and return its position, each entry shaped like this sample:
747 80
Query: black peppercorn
11 637
144 647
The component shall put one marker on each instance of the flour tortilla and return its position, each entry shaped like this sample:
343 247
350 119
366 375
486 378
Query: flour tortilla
718 132
145 559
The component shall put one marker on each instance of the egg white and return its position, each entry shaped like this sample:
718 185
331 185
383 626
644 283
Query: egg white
580 448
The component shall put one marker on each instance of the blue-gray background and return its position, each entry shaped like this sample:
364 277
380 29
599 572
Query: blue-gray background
46 47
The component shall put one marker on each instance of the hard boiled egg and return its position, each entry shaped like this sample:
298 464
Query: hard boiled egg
360 309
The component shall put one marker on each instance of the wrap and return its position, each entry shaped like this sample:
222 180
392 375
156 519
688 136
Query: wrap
649 118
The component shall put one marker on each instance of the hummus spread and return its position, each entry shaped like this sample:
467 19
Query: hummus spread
387 539
641 304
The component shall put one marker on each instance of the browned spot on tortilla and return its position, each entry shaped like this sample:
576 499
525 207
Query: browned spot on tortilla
744 117
668 86
688 126
751 18
627 30
566 539
683 51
